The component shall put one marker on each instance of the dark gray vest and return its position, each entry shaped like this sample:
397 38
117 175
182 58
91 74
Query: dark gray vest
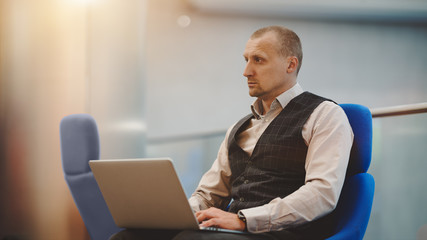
276 167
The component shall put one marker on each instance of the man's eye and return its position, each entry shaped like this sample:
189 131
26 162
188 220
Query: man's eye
257 59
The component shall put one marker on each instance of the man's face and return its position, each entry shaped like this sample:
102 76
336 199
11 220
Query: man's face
266 69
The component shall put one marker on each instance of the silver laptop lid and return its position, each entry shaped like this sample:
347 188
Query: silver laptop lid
144 193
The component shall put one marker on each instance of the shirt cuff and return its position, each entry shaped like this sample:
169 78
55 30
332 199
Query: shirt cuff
257 219
194 204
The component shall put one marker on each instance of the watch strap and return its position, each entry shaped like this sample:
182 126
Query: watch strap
242 217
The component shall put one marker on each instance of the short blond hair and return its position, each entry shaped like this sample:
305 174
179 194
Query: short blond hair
290 43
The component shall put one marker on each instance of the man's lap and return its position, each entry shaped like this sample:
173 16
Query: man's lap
140 234
132 234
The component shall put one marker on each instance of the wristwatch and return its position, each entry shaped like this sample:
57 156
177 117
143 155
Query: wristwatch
242 217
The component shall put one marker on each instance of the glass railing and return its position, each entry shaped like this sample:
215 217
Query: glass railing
192 155
399 166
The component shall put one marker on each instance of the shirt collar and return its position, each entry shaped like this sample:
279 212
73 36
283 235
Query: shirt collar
281 101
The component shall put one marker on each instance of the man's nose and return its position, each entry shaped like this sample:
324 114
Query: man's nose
248 70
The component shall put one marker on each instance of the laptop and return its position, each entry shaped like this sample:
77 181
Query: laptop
145 193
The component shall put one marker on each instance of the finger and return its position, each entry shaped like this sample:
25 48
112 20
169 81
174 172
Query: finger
208 214
202 211
202 216
210 223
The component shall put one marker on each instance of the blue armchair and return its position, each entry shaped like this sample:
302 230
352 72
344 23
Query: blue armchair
79 144
352 213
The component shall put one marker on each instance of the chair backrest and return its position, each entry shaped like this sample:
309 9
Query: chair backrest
360 119
79 144
352 213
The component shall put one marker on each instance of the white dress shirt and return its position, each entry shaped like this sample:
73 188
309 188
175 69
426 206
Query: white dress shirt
329 138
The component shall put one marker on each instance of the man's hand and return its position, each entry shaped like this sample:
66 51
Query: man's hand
214 217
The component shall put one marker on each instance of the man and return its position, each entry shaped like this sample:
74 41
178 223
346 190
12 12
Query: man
283 166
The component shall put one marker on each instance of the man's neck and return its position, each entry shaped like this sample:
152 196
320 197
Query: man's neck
267 101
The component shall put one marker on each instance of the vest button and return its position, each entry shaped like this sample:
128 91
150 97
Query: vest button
242 199
246 181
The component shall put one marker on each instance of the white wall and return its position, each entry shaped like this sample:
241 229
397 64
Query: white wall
116 75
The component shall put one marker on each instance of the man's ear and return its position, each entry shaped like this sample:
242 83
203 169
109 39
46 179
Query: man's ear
292 64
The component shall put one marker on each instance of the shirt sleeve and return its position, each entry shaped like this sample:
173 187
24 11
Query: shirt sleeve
214 187
329 138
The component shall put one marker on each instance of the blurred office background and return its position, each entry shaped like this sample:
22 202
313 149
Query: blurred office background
164 78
